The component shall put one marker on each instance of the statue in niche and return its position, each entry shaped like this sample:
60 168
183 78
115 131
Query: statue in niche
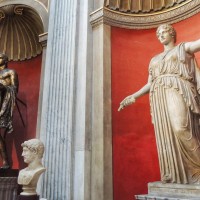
8 91
33 151
174 88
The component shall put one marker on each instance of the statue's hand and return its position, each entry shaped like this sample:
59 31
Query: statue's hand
126 102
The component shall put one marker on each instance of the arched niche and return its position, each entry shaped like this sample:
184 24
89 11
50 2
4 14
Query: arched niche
28 68
21 23
35 5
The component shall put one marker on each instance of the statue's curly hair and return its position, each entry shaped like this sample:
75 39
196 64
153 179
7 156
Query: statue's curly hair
168 28
35 146
5 58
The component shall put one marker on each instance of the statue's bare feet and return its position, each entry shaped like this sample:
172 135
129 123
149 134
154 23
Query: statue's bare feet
5 166
166 179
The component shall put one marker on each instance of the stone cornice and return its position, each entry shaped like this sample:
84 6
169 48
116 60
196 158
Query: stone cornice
43 39
144 21
97 17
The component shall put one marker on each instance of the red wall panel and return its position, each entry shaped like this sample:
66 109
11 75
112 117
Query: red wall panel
135 161
29 82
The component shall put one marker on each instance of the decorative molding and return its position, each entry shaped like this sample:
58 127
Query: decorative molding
145 21
43 39
44 2
2 15
142 6
97 17
18 10
10 10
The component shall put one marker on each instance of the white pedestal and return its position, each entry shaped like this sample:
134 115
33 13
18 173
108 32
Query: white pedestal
170 191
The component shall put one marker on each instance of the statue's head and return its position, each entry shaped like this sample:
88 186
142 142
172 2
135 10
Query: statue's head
168 28
4 59
32 149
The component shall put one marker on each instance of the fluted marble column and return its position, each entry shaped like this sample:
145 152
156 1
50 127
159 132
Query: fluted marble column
57 101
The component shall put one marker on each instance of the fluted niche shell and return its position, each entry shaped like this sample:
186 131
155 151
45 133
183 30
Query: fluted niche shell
20 27
141 6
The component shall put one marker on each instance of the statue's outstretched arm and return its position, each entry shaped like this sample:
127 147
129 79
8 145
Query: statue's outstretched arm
192 47
132 98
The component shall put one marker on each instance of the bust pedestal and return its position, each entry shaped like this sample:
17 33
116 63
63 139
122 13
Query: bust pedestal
171 191
25 197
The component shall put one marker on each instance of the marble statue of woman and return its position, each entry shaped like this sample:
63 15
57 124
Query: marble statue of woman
174 88
32 152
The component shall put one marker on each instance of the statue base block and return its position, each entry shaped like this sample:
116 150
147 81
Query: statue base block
9 172
8 184
25 197
151 197
170 191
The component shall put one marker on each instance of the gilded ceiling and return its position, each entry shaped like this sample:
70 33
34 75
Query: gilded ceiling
19 30
141 6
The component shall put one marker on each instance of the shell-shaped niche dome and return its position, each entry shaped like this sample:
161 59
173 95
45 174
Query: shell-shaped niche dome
141 6
20 27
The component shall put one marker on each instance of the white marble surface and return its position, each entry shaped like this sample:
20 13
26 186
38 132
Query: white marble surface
101 178
57 101
174 190
171 191
83 106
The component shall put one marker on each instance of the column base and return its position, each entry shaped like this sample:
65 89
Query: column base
32 197
171 191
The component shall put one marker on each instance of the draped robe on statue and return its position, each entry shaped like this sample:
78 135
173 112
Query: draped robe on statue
7 103
175 109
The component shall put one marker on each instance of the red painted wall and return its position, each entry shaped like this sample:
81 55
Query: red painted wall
29 81
135 161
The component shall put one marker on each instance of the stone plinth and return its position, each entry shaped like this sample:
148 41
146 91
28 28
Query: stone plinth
32 197
8 188
169 191
152 197
9 172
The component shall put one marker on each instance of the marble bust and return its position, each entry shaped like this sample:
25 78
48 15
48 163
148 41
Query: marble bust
32 152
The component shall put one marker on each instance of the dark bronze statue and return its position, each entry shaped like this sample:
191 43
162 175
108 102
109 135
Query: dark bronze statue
8 91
